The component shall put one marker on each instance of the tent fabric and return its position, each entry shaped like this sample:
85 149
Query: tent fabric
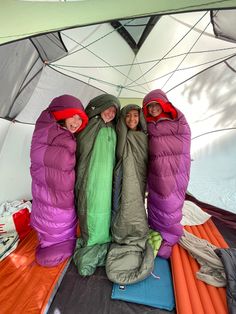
191 65
93 294
195 69
93 38
55 84
26 58
192 49
224 24
224 217
181 54
130 34
22 59
193 214
65 15
15 161
49 46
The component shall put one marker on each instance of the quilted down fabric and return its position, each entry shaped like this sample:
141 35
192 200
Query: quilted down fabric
168 169
53 178
130 258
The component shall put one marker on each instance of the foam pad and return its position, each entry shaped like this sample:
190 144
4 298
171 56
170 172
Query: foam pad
191 294
156 290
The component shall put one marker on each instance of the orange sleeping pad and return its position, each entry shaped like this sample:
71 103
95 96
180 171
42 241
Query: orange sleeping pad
25 286
193 296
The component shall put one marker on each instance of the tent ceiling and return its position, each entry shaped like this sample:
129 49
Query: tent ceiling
20 69
178 47
135 31
34 18
49 46
162 52
21 65
224 24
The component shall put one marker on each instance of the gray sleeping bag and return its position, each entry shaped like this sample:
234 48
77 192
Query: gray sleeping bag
130 258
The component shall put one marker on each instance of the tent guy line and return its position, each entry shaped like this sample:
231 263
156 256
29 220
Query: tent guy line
222 61
141 62
90 78
171 48
64 67
186 55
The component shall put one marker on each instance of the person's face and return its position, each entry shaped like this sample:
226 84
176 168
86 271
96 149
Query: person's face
109 114
74 123
154 109
132 119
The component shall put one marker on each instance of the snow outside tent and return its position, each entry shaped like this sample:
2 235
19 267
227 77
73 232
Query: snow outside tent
133 47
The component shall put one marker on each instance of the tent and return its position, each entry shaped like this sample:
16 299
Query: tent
191 56
126 48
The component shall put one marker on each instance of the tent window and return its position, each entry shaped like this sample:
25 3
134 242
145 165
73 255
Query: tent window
135 31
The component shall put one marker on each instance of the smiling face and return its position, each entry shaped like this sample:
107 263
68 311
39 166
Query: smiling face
154 109
74 123
132 119
109 114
